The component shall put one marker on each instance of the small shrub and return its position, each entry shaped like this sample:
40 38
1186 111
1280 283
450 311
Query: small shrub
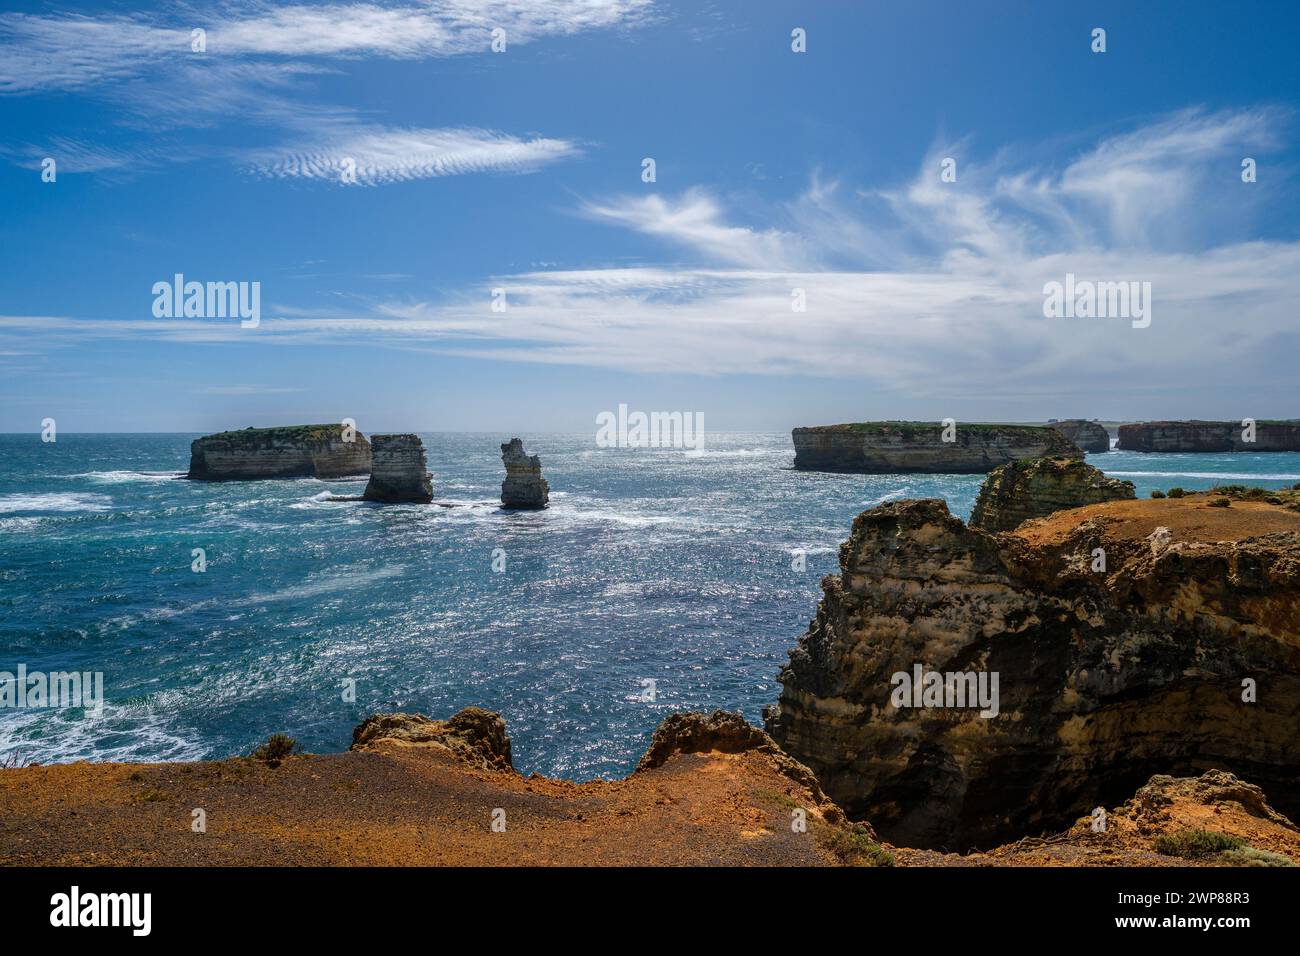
1157 493
855 847
1195 844
1249 856
1219 503
1176 493
276 748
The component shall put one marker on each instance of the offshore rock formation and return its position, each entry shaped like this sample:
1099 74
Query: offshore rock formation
1037 487
1089 436
1169 658
889 447
294 451
1208 436
524 486
400 470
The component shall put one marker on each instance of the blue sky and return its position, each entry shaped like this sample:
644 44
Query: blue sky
522 170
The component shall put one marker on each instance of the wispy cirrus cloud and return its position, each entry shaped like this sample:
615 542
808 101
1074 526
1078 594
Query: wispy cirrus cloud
930 287
40 53
376 155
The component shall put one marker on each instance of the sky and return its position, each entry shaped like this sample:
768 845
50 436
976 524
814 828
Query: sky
379 169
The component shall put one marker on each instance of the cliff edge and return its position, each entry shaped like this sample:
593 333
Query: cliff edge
896 447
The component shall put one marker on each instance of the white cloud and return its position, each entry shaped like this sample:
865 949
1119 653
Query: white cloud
42 53
931 288
382 155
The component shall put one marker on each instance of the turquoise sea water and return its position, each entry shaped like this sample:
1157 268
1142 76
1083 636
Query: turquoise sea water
664 565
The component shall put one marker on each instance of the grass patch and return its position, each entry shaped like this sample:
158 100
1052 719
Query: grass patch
855 847
1249 856
1196 844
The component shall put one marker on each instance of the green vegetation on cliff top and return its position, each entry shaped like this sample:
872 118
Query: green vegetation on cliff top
305 433
877 427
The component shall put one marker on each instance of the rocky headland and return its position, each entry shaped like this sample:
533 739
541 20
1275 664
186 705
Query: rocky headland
293 451
524 487
896 447
1127 639
1208 436
1089 436
399 471
413 791
1038 487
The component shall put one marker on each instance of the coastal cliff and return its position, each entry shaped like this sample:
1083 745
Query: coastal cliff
892 447
1208 436
1089 436
1038 487
294 451
414 791
399 470
1114 641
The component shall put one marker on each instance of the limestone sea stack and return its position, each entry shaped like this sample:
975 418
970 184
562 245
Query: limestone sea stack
1089 436
293 451
1037 487
893 447
1209 436
524 486
1104 644
400 470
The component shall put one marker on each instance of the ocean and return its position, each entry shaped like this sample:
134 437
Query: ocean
658 581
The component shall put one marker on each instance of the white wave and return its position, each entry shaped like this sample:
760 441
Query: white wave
19 525
61 502
120 477
1212 475
327 584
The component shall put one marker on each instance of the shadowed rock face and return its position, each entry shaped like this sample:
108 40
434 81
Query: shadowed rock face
399 471
893 447
1208 436
293 451
1040 486
524 486
1105 678
1089 436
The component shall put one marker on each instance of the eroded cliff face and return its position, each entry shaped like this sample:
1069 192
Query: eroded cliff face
1089 436
893 447
295 451
399 471
1208 436
1107 671
1038 487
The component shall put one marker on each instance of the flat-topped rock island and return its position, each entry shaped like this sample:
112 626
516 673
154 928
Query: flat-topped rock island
893 447
1209 436
289 451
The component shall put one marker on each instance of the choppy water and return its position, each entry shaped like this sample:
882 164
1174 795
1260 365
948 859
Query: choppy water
663 565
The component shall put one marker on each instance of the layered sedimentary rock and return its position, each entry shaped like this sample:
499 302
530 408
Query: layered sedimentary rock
1089 436
472 734
524 486
889 447
1127 639
1208 436
294 451
399 471
1037 487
